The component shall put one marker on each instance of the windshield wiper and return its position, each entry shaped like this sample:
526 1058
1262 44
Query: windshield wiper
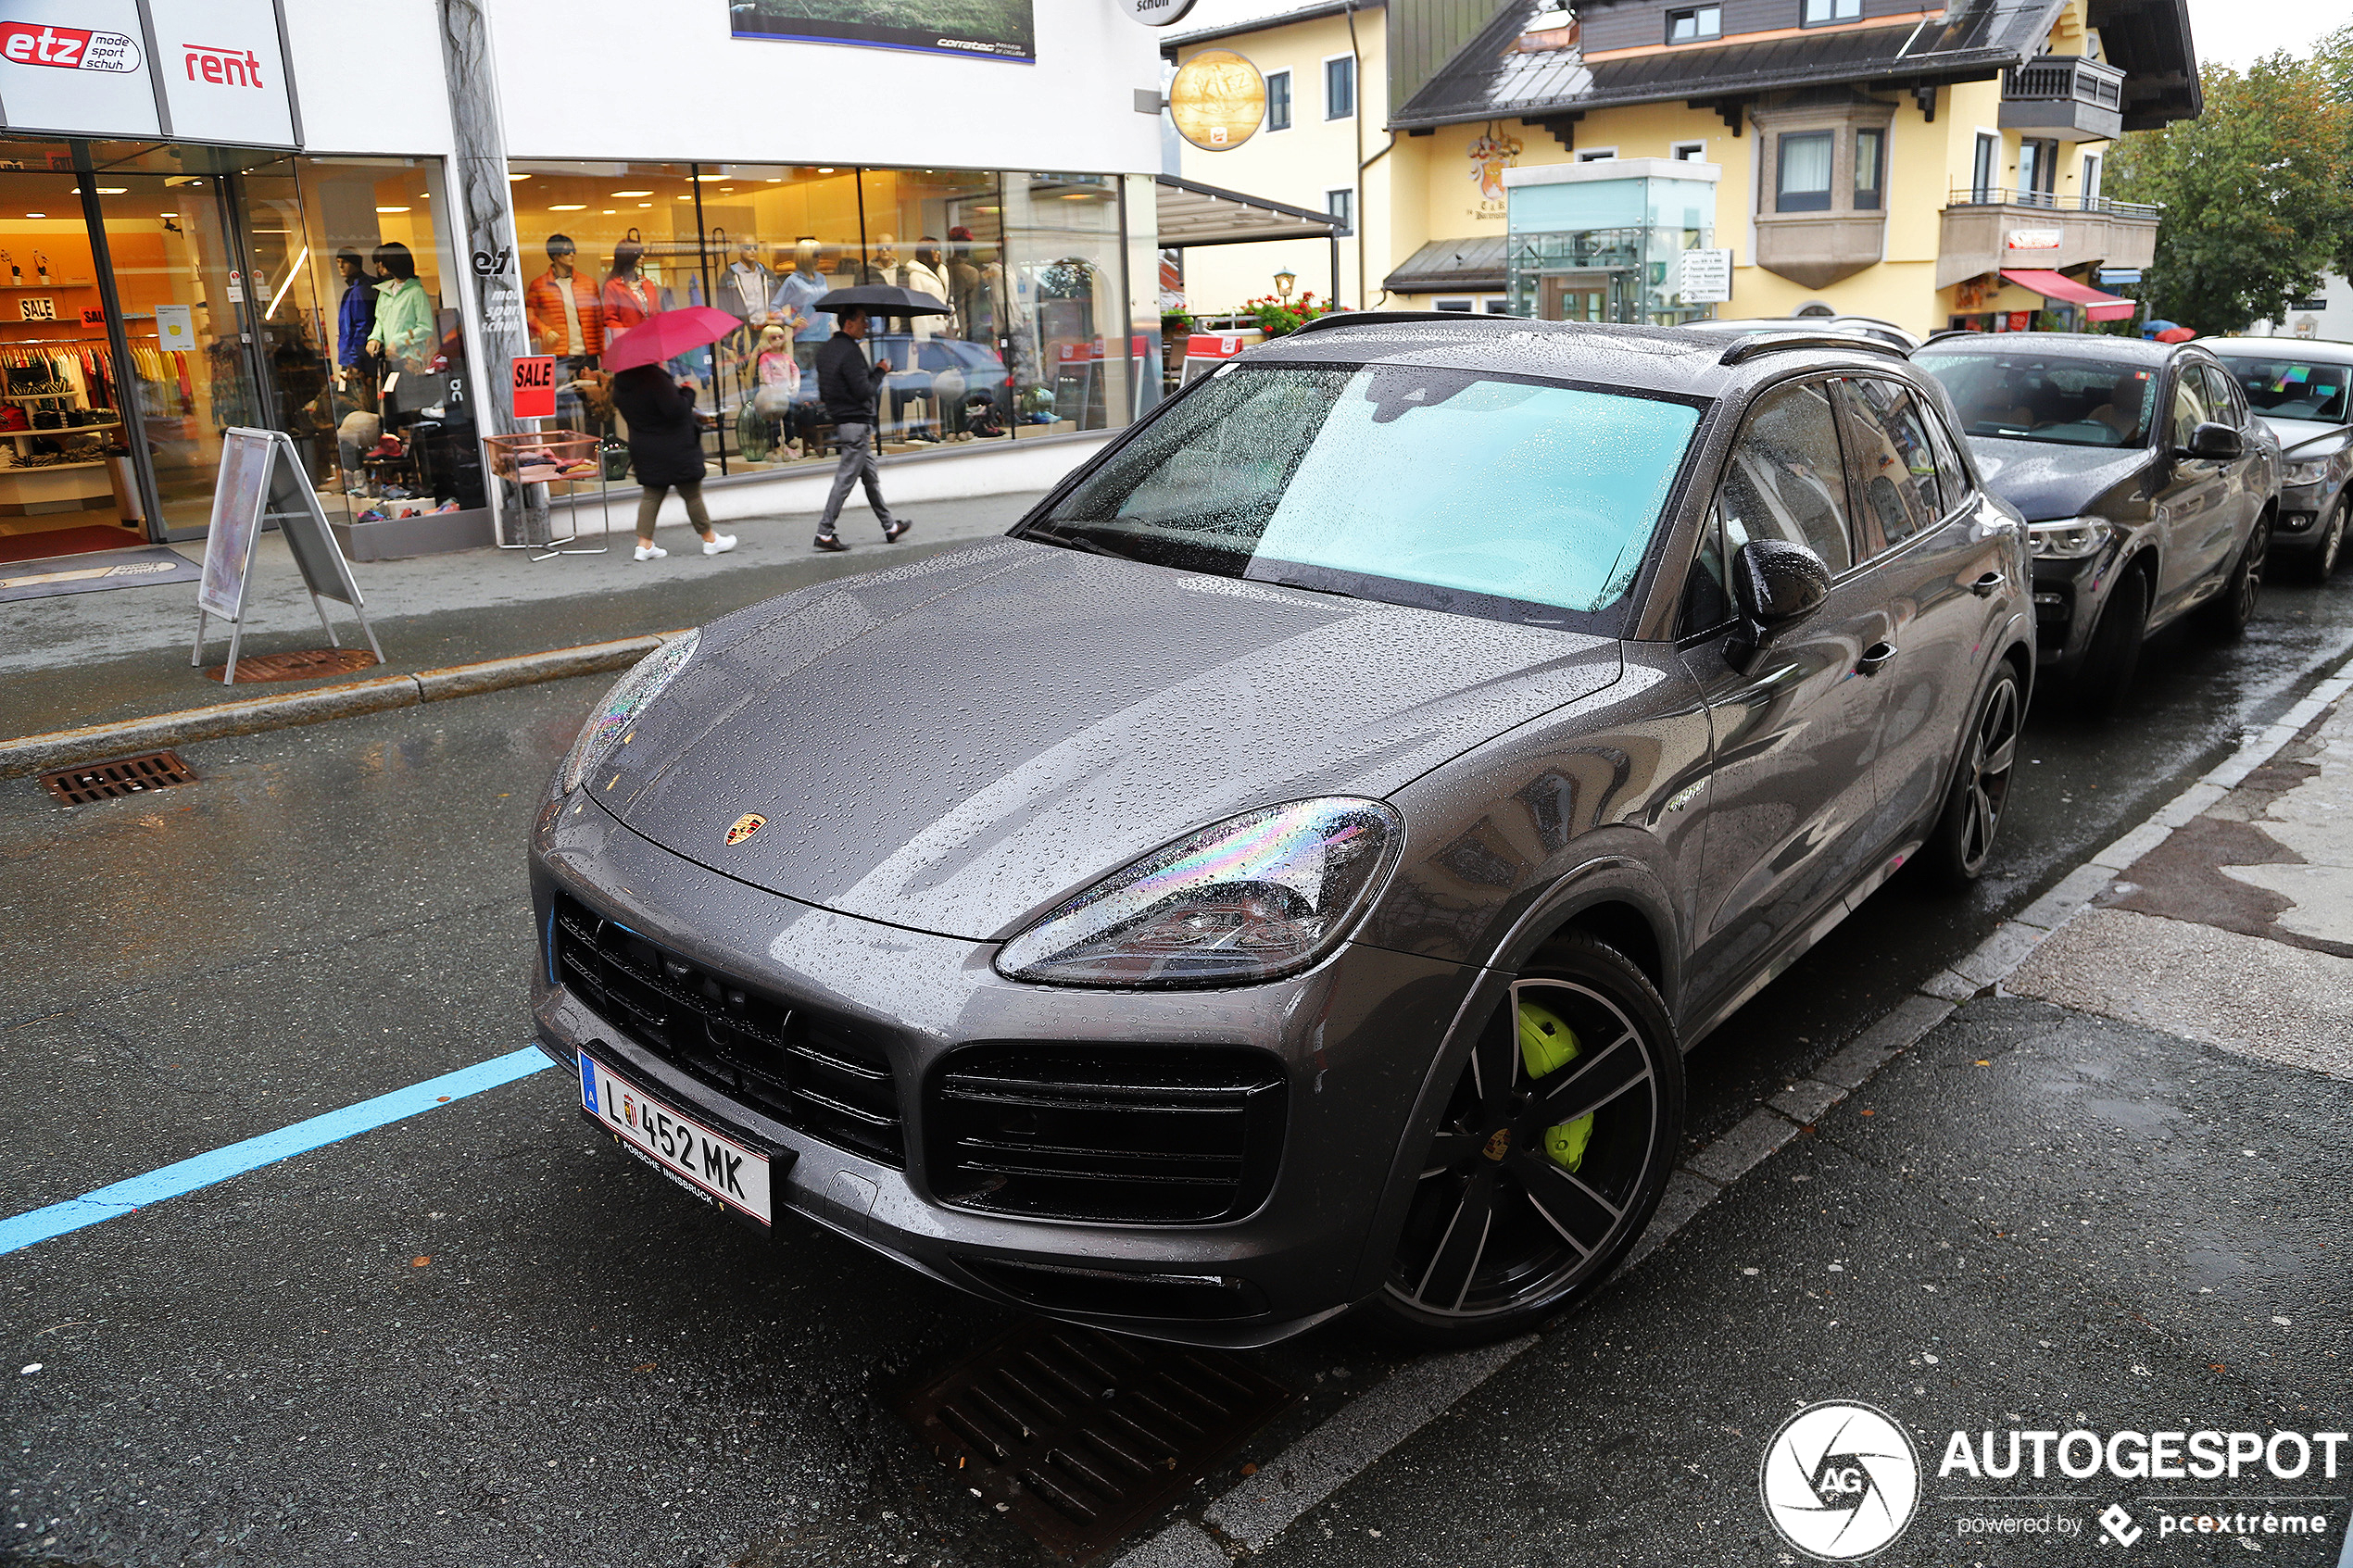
1051 535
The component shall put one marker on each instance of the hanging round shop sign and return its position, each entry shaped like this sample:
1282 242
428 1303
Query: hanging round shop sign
1217 100
1157 13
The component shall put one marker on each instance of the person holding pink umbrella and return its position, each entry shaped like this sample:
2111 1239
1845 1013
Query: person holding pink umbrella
666 432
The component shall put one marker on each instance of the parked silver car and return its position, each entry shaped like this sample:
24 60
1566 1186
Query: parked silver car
2303 390
1285 874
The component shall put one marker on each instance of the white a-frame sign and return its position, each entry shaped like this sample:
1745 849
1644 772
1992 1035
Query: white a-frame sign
262 478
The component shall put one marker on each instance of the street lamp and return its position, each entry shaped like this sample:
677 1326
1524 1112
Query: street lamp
1284 282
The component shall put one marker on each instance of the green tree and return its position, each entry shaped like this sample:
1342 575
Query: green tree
2257 191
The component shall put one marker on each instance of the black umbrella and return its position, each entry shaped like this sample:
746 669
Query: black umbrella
880 299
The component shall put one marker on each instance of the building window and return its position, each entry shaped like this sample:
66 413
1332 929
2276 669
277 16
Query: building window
1871 159
1463 306
2093 170
1596 155
1689 152
1278 100
2037 170
1985 172
1343 204
1340 87
1802 180
1695 23
1819 12
1499 306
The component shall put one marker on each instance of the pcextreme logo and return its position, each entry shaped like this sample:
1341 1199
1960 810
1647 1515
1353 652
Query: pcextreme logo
1840 1480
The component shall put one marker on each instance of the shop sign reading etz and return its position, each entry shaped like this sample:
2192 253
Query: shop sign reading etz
199 70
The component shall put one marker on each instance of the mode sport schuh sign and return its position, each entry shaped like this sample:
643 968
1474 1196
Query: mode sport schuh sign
189 70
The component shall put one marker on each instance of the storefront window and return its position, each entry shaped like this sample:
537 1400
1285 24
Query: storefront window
1029 266
366 347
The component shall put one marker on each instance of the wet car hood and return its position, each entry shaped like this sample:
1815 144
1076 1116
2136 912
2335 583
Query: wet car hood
958 745
2045 481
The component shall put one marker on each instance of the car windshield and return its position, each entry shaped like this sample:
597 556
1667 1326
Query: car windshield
2293 389
2061 398
1509 499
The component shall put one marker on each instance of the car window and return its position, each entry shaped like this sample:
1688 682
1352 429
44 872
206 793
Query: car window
2065 398
2221 395
1952 473
1787 478
2190 408
1411 484
1894 466
2295 387
1707 591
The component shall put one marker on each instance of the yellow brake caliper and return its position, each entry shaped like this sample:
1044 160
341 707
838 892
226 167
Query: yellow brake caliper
1547 1045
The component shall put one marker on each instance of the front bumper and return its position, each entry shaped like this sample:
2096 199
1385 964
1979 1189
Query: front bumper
2069 595
1351 1043
2301 509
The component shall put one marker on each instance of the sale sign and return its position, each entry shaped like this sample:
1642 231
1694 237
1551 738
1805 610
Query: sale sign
535 386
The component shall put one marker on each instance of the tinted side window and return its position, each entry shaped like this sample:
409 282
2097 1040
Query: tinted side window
2222 397
1787 479
1707 597
1952 474
2190 406
1895 465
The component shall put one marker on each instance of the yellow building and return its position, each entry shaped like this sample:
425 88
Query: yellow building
1855 157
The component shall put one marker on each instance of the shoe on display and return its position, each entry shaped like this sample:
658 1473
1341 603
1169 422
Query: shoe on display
650 552
895 528
719 544
830 542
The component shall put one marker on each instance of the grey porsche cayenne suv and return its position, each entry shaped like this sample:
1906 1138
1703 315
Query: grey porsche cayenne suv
1285 873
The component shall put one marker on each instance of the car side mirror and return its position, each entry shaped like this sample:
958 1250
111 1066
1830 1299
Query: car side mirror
2218 442
1778 584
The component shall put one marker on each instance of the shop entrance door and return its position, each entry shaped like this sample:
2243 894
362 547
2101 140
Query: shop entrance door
187 291
1577 297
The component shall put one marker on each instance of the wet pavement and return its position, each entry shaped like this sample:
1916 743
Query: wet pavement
484 1335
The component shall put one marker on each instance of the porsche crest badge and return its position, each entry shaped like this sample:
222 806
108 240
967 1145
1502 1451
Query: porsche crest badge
745 826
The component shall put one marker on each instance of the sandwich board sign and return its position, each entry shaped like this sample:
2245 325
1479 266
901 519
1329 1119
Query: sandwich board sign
262 480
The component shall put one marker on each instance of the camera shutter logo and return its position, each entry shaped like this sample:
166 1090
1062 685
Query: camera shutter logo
1840 1480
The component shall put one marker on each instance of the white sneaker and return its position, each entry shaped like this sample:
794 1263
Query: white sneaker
719 544
650 552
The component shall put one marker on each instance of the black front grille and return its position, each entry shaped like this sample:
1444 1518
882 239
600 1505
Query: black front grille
802 1066
1164 1136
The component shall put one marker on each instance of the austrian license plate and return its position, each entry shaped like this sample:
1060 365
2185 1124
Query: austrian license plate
717 1169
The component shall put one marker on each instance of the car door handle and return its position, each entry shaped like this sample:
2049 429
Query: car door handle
1876 658
1985 586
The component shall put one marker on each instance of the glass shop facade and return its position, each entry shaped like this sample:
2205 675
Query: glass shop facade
199 237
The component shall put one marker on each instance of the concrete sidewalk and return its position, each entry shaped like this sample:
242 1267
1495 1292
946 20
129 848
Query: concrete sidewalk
90 658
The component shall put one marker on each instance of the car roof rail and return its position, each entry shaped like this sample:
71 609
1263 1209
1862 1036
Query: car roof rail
1776 343
1383 318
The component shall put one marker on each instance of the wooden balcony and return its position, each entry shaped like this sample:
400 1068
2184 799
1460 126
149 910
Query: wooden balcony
2072 96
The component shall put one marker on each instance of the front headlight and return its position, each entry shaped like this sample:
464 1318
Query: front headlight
2068 538
611 718
1255 897
2306 473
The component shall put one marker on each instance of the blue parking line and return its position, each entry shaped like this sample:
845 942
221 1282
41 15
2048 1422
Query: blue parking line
220 1164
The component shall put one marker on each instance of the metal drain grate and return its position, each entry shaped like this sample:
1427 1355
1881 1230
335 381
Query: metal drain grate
304 664
1082 1436
110 781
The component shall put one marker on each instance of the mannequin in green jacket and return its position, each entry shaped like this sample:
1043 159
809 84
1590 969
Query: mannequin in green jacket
403 333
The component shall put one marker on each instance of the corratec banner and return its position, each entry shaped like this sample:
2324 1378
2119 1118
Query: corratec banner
1002 30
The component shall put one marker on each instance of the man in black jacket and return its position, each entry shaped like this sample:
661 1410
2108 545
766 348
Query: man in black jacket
849 388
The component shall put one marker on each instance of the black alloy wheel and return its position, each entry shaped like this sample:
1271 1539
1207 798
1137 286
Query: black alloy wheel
1550 1156
2113 652
2331 544
2229 611
1963 840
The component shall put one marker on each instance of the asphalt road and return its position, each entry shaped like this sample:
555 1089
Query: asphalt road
484 1335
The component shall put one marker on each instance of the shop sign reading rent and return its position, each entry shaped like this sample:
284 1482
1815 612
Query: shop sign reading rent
196 70
1217 100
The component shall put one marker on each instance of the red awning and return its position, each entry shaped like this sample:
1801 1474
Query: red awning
2057 285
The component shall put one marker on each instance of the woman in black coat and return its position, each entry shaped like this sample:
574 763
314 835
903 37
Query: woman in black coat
665 447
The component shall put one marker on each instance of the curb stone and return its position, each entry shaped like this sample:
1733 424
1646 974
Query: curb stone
95 743
1392 1410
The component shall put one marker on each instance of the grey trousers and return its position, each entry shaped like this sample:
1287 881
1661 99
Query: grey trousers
857 467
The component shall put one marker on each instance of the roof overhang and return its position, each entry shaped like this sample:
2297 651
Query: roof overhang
1195 214
1169 47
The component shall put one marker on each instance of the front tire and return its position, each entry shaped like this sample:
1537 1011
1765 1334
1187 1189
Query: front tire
1550 1155
2331 547
1963 839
